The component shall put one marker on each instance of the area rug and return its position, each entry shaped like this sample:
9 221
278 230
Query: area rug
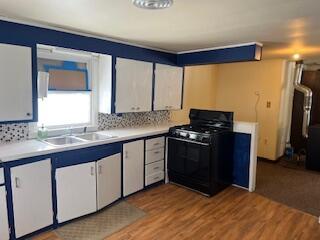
299 189
102 224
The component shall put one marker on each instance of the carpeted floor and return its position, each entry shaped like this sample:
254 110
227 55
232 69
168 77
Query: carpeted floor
299 189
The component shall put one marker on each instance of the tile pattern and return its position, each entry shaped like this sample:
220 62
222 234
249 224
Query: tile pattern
102 224
109 121
13 132
20 132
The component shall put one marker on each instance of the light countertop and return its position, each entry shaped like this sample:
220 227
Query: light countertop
32 148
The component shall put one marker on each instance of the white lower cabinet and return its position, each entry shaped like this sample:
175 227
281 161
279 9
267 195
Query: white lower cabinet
108 180
32 197
4 226
76 191
133 167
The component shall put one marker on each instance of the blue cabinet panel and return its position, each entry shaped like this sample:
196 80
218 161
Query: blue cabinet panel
241 159
85 155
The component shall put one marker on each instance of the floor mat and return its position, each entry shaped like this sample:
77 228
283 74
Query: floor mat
295 188
102 224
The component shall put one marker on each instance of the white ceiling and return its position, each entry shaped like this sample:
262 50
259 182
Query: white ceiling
284 26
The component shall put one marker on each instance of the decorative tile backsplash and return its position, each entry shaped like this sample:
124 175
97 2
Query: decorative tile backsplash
20 132
109 121
13 132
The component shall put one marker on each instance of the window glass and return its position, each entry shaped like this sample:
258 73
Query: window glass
65 108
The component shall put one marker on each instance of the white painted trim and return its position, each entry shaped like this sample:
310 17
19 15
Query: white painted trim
221 47
252 129
77 32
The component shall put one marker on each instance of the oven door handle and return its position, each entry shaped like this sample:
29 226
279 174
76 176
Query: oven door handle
189 141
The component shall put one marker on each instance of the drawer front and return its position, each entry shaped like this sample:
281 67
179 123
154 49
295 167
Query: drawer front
1 176
156 177
154 155
155 143
154 167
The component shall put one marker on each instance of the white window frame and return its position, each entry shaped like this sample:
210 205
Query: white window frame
92 61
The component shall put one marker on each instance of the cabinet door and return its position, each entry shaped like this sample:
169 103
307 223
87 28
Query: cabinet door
32 197
16 83
133 167
168 87
76 191
133 86
4 227
108 180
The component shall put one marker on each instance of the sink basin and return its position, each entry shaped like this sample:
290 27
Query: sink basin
65 140
94 136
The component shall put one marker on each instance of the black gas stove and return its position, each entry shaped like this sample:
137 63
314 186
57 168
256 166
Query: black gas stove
200 154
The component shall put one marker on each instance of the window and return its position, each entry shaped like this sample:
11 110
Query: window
71 99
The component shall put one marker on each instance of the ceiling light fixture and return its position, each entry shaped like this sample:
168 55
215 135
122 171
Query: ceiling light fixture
296 56
153 4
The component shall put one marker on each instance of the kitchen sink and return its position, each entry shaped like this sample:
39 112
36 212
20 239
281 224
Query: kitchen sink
65 140
94 136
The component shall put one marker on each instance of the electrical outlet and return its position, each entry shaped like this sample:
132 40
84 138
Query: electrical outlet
268 104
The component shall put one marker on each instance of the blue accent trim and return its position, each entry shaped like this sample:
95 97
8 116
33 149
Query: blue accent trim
85 155
153 85
224 55
182 93
71 66
26 35
114 84
241 163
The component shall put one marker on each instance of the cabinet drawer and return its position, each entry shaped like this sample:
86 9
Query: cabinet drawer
154 155
1 176
154 167
154 143
156 177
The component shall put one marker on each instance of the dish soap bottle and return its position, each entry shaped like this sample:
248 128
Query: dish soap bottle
42 132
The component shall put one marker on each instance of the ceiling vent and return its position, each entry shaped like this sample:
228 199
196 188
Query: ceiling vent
153 4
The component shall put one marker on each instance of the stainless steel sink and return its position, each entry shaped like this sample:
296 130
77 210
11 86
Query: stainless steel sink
94 136
65 140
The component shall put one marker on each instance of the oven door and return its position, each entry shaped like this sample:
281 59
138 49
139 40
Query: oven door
189 158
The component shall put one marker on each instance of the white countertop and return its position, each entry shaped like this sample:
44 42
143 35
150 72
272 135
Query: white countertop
32 148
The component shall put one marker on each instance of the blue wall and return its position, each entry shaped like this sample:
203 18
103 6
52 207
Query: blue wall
224 55
15 33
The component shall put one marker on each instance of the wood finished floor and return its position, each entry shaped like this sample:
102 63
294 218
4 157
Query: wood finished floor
177 213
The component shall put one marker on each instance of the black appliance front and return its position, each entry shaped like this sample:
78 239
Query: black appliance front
204 167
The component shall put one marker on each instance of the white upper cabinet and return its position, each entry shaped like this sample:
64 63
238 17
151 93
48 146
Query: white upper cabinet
133 86
15 83
168 87
32 197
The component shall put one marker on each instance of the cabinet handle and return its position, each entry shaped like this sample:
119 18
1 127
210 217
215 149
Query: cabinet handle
92 171
155 168
17 182
126 154
138 108
28 114
156 144
155 178
133 108
100 169
156 152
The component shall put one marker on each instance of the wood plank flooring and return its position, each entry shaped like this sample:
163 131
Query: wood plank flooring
234 214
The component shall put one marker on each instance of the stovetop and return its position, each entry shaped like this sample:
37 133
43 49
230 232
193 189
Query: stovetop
204 125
